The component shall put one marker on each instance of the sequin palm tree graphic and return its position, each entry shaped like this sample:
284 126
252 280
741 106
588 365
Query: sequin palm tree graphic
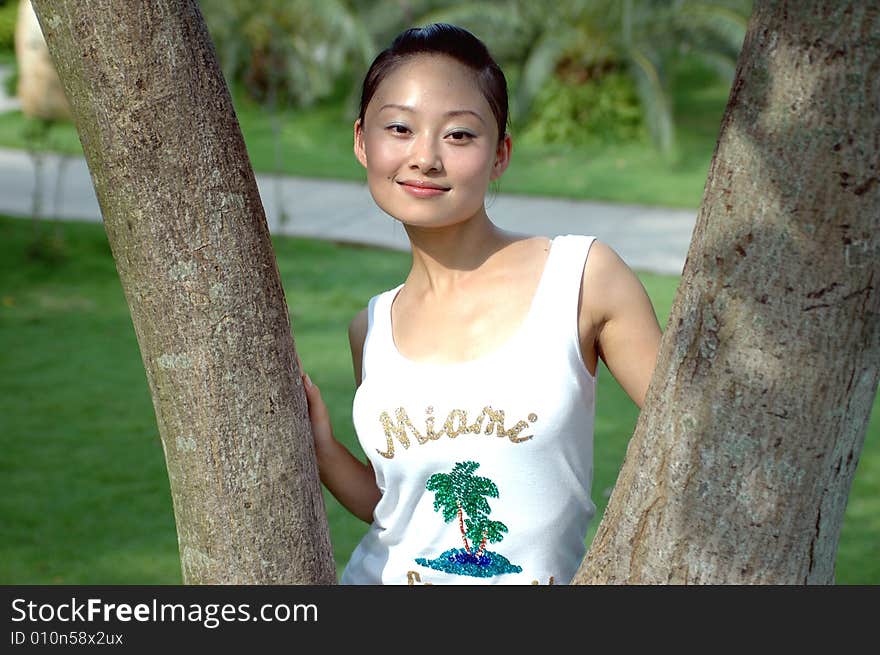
461 494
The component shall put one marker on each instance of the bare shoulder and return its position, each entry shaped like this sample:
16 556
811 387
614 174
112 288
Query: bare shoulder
527 254
357 334
620 321
604 261
526 247
606 270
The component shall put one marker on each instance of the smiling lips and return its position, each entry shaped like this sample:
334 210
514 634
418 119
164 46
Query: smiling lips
422 189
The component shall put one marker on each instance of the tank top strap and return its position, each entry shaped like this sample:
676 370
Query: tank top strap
556 300
379 343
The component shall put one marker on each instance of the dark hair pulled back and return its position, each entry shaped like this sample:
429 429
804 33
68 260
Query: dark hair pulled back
442 39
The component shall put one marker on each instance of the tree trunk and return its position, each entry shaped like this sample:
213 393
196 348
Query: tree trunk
482 546
744 453
461 529
191 244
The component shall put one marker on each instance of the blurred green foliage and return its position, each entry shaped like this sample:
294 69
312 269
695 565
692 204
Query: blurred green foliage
287 52
590 70
11 83
641 39
605 110
8 16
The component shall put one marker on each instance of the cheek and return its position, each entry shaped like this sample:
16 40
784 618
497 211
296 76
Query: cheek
383 158
471 164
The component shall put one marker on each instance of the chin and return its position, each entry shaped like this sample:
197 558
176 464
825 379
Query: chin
425 216
427 221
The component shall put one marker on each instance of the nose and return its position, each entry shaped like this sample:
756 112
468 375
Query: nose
425 155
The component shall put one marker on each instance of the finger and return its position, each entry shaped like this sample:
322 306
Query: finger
313 395
319 414
299 362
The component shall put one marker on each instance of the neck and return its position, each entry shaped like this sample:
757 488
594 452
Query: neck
445 257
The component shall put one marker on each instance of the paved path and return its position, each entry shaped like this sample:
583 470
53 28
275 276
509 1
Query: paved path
647 238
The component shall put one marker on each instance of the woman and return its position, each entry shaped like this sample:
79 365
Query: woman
476 376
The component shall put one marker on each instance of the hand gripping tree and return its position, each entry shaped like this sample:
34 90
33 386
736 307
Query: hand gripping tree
187 230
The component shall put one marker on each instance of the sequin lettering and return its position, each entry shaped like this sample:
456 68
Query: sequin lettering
489 421
397 430
412 577
535 582
450 426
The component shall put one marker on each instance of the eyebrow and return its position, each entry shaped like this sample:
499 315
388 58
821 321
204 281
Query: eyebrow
454 112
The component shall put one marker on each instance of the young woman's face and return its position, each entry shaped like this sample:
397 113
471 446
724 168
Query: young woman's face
429 142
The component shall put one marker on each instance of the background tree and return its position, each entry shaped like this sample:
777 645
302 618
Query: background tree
287 53
626 46
744 453
589 69
43 102
184 221
291 52
39 89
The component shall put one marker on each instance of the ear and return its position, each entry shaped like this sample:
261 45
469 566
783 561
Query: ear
360 150
502 157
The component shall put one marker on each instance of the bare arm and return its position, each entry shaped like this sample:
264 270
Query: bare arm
351 482
627 334
357 334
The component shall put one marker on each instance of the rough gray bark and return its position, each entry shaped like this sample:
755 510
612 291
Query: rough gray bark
742 459
189 236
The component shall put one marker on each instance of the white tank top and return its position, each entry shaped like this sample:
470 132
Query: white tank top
486 465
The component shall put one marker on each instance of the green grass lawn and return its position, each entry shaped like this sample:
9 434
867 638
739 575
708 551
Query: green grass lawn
85 496
318 143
